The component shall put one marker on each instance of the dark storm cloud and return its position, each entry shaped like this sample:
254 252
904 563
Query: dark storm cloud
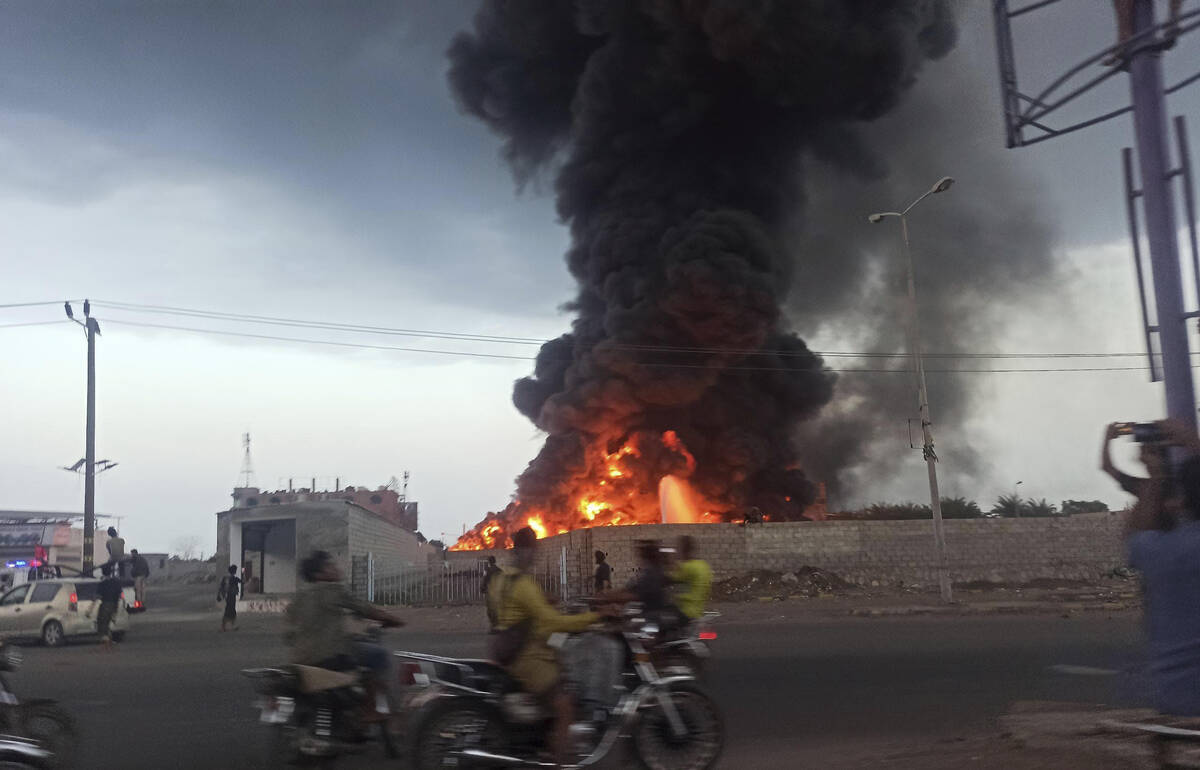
341 107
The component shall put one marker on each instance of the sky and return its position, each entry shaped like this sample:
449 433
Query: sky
306 160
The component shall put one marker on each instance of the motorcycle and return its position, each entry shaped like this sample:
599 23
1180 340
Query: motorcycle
313 715
688 651
36 732
471 714
21 754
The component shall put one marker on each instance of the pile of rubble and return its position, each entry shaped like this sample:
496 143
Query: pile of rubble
810 582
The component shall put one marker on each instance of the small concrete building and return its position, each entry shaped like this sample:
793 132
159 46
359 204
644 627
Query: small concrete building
268 539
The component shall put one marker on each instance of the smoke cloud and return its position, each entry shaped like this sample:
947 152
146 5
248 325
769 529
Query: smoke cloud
680 135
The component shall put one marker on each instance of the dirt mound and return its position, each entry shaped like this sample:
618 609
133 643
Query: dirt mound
765 584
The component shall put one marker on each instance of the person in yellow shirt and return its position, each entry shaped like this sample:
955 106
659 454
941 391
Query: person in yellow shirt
695 576
519 598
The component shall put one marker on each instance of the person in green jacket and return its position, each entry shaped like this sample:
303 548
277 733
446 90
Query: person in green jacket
519 598
695 576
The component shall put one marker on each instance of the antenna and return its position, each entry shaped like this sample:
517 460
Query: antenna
247 472
404 489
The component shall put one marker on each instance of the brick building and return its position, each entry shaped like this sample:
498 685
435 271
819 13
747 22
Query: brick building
268 533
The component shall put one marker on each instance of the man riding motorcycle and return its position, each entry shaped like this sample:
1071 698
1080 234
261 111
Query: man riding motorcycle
317 632
520 604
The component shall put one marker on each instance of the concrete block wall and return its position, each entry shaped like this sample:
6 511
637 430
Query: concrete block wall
388 542
1082 547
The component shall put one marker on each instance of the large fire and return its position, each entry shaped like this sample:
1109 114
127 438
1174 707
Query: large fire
620 491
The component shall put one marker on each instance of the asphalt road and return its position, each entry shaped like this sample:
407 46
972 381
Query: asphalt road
795 693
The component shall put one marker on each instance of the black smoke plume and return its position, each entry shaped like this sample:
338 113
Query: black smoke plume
678 133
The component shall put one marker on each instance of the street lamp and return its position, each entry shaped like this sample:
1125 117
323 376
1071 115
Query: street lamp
914 348
91 328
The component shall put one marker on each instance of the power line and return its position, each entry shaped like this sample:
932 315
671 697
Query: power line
37 304
476 354
332 326
34 323
502 339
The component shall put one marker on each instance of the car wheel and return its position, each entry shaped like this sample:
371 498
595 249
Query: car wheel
118 636
52 634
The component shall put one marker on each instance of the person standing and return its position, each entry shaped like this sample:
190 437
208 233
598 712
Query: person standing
116 549
1163 539
140 569
603 576
695 576
490 572
230 591
109 593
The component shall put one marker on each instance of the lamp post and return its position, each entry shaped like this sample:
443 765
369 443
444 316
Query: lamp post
91 329
1017 499
914 349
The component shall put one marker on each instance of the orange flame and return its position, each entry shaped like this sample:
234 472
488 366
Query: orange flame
622 489
534 523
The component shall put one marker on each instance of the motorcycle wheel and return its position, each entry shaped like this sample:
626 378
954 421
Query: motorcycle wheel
448 728
54 729
656 746
277 748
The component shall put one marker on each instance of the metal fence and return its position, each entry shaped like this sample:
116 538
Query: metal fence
384 581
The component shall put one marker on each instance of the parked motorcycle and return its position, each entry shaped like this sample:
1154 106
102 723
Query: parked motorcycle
314 715
38 731
472 714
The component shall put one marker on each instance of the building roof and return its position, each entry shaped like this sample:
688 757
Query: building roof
30 517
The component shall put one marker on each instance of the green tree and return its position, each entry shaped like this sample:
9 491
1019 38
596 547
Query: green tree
959 508
1009 505
897 512
1040 508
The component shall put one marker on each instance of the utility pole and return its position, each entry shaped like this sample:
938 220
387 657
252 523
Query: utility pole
92 329
914 348
1150 130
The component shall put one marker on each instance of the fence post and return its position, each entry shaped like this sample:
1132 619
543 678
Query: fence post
563 588
370 576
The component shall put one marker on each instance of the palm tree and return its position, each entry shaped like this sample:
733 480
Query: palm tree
1040 508
1009 505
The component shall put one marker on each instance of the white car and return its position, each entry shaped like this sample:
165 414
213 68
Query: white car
56 610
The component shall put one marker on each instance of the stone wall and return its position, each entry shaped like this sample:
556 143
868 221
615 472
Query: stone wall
1081 547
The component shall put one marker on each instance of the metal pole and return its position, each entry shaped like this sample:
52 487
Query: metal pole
1150 126
914 344
89 474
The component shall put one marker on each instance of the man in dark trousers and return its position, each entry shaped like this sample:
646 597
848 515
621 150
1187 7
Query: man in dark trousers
140 570
229 592
490 572
603 577
109 593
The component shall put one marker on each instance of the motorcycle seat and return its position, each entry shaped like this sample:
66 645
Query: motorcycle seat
491 677
313 679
